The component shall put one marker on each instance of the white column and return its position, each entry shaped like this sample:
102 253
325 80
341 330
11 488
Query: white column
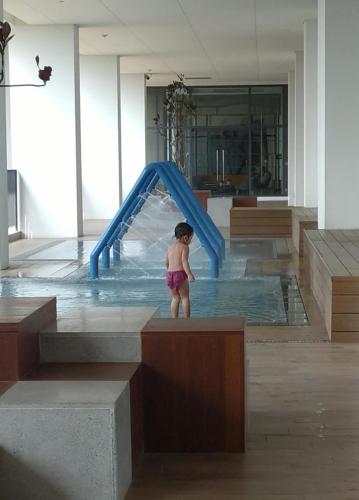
4 239
299 129
338 110
310 113
133 129
100 135
45 131
291 138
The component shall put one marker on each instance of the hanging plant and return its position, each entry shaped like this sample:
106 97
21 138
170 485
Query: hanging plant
179 108
5 36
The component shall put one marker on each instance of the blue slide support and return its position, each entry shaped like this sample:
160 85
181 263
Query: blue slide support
180 191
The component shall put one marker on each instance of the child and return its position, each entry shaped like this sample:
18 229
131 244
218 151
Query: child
178 271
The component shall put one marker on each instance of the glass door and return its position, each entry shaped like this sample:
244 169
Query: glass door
220 160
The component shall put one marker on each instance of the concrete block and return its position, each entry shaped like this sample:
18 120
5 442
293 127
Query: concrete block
99 334
65 440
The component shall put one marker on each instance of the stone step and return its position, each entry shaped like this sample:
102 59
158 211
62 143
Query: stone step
99 334
21 319
130 372
66 439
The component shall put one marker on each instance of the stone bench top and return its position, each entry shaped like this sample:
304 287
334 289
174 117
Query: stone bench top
195 325
104 320
62 394
338 249
17 313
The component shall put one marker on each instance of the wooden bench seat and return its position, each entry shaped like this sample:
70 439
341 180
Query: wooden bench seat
331 267
261 222
302 218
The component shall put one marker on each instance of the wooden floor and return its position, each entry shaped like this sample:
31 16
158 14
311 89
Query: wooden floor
303 439
303 422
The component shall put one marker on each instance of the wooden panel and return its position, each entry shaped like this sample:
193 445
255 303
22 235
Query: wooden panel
244 201
260 212
345 286
256 221
137 419
346 304
21 320
345 322
265 222
258 230
194 385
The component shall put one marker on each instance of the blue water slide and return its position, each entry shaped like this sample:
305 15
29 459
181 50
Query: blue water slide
130 202
180 191
177 195
207 222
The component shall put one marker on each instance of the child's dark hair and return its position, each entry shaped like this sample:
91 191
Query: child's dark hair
183 229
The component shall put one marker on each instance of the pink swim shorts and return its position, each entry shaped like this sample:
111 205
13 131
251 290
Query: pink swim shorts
175 279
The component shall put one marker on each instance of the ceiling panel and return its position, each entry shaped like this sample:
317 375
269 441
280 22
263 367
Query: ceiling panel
113 40
81 12
229 40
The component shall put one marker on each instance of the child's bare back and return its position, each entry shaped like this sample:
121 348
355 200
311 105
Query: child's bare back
176 253
178 271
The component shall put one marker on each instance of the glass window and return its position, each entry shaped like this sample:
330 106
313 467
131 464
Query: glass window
237 141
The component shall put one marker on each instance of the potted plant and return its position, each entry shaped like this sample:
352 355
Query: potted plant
179 109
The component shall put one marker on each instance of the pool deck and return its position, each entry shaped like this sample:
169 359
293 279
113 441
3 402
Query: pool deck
303 439
284 263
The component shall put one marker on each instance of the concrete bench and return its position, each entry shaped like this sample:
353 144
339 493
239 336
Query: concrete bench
194 385
302 218
260 222
331 271
62 439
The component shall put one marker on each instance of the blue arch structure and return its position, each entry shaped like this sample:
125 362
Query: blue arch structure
180 191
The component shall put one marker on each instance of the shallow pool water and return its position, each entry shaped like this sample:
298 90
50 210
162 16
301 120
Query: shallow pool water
138 279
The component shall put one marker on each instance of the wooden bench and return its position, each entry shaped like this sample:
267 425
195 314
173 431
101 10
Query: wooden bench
261 222
302 218
331 270
194 385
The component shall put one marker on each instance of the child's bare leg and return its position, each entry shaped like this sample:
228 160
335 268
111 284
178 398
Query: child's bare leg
184 294
175 303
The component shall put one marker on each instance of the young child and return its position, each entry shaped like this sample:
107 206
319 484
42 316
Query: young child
178 271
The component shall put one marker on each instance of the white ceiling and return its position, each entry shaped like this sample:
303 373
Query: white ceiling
231 41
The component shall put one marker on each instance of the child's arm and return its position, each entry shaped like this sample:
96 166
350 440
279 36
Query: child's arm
167 261
185 263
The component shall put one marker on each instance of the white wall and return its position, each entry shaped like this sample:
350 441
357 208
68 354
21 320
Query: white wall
100 136
133 129
4 242
291 138
310 113
299 129
218 209
45 131
338 110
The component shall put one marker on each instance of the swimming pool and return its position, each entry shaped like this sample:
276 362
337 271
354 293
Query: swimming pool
138 280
